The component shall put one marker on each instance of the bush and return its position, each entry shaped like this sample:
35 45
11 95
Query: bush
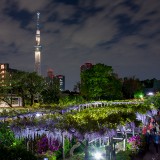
123 155
10 147
6 135
15 153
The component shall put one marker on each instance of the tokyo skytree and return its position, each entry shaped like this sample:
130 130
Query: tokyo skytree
38 48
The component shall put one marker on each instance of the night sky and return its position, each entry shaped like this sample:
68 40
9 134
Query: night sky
124 34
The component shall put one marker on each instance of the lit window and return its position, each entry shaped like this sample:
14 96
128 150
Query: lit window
2 66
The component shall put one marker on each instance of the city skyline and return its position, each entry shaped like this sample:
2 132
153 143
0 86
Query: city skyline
124 34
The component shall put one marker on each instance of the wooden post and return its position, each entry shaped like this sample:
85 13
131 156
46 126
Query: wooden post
86 151
107 152
110 148
133 133
124 142
63 145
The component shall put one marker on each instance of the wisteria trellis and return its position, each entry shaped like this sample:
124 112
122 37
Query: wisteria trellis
47 128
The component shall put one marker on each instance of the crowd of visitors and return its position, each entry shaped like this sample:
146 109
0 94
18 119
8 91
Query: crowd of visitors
152 132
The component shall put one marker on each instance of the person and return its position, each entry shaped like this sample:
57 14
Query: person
157 116
156 141
157 127
151 125
144 130
148 139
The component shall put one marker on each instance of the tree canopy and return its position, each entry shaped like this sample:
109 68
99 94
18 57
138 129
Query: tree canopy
51 91
154 100
131 86
99 82
27 85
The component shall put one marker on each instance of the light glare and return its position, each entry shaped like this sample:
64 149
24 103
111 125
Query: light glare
38 115
150 93
98 155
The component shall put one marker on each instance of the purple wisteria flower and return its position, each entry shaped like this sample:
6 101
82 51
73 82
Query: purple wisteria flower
43 145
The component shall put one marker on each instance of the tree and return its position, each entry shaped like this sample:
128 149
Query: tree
114 88
51 91
154 100
99 82
27 85
6 89
77 87
18 84
131 86
34 85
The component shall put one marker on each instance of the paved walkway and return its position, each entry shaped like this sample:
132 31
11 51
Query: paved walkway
150 155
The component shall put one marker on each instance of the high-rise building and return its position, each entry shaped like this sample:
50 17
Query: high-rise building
38 48
51 79
86 66
4 68
5 71
50 76
50 73
61 82
5 80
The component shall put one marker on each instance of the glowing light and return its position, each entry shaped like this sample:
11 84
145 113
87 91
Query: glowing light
2 66
38 32
38 56
150 93
141 96
98 155
38 115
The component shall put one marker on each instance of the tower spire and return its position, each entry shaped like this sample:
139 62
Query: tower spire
38 16
38 48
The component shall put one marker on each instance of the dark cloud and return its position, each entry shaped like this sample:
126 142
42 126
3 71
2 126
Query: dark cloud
143 46
123 33
23 16
68 2
127 27
132 6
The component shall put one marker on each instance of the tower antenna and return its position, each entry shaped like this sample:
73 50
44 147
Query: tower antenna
38 17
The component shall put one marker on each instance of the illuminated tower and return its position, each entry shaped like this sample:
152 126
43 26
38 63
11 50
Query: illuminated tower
38 48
